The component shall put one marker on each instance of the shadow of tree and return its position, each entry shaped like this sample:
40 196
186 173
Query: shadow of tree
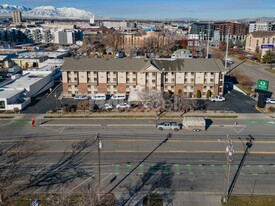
158 179
14 155
65 170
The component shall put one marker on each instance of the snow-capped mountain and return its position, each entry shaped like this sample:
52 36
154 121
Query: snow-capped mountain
50 11
46 11
7 9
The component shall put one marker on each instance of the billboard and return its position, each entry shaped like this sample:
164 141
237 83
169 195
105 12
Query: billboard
267 46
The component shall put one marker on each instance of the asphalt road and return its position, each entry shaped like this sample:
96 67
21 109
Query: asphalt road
257 72
188 162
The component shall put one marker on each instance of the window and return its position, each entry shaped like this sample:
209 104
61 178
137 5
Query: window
95 79
2 105
263 40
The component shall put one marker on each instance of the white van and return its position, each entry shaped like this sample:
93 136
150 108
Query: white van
98 96
118 97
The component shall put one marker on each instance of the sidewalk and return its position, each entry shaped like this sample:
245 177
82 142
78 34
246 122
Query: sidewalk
141 115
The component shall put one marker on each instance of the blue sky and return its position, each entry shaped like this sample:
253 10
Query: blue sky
161 9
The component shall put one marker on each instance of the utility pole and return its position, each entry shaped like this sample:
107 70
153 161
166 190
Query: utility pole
226 51
229 149
207 48
99 147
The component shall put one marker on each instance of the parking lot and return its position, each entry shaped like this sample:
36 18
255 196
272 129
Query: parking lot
235 101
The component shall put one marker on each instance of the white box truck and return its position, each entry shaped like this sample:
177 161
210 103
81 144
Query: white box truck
194 123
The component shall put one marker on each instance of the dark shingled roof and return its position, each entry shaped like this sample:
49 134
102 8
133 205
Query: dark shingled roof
136 65
262 34
101 64
190 65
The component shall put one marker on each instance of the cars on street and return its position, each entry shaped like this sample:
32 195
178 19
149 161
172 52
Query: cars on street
123 106
168 126
217 98
81 97
270 100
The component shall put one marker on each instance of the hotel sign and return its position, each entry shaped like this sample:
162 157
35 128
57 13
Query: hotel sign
262 85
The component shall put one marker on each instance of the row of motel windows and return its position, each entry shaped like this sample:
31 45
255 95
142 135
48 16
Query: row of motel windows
133 80
263 41
111 89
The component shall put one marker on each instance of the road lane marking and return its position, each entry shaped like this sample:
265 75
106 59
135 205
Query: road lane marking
240 130
189 168
81 183
141 169
117 169
177 168
148 151
201 169
213 168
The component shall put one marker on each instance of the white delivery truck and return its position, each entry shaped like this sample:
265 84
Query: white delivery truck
194 123
118 97
99 96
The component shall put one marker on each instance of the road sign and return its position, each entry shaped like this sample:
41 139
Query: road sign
267 46
262 85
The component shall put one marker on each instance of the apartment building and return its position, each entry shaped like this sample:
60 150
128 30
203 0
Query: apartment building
17 17
150 38
261 26
237 31
110 76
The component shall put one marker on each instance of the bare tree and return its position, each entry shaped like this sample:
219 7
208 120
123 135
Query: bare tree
217 54
113 39
84 106
184 104
152 98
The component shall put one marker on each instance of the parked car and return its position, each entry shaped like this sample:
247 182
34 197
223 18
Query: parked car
81 97
107 107
168 125
217 99
270 100
123 106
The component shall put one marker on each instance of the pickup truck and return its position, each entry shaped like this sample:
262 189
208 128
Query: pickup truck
168 125
217 99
